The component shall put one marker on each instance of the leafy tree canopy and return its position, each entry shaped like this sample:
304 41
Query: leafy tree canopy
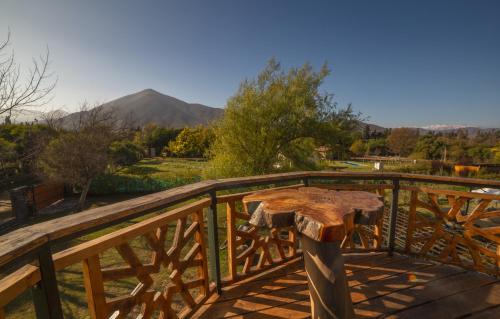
276 121
125 152
402 140
358 148
191 142
154 136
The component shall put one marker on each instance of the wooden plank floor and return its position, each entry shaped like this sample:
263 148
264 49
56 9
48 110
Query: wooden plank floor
381 286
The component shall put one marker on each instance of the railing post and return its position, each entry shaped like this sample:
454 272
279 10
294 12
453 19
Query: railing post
305 180
45 293
213 242
393 216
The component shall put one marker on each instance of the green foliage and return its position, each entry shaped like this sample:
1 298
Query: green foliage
480 153
191 142
422 167
27 141
125 152
7 151
277 117
430 147
496 154
402 140
116 183
149 175
154 136
459 147
358 148
376 147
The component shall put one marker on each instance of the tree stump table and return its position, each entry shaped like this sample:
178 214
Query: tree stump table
322 218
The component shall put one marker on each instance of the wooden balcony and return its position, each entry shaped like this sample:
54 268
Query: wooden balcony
189 252
381 286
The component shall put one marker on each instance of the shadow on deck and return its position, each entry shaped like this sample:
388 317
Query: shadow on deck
381 286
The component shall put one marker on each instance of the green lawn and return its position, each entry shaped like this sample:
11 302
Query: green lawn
166 168
148 176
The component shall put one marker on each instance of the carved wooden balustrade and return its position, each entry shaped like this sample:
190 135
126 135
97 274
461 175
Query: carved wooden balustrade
455 227
161 270
252 249
159 267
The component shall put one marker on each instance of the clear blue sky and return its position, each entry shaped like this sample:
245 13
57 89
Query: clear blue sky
402 63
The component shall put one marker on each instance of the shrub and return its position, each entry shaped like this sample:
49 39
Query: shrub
191 142
125 153
113 183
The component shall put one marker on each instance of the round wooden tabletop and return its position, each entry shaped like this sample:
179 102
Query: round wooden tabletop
320 214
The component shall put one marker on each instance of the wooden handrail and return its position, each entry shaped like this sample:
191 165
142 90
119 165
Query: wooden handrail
82 251
17 282
23 240
28 239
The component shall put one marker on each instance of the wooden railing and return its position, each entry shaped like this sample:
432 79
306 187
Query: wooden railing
166 259
455 227
175 244
251 249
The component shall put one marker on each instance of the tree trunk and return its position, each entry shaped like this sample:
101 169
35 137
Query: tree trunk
83 195
327 280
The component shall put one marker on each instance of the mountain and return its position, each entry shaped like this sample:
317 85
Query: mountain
445 128
438 128
150 106
373 127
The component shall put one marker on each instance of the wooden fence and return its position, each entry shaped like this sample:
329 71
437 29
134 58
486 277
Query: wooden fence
45 194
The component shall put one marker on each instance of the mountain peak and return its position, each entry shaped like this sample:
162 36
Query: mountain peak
148 91
151 106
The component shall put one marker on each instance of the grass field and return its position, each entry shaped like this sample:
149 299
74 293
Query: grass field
166 168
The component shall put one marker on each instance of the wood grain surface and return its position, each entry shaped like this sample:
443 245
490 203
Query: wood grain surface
320 214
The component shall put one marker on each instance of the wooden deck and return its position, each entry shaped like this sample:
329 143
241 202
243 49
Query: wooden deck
381 286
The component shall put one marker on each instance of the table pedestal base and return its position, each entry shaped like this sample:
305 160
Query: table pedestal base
324 263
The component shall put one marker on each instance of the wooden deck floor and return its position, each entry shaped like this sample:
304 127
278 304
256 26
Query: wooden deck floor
381 286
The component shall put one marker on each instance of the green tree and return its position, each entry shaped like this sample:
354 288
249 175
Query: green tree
496 154
480 153
28 140
459 152
376 147
366 132
125 152
7 152
191 142
402 140
276 117
430 146
358 148
154 136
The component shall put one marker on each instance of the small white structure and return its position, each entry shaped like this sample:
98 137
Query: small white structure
378 166
490 191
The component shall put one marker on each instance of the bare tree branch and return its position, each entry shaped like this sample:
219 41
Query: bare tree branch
17 95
